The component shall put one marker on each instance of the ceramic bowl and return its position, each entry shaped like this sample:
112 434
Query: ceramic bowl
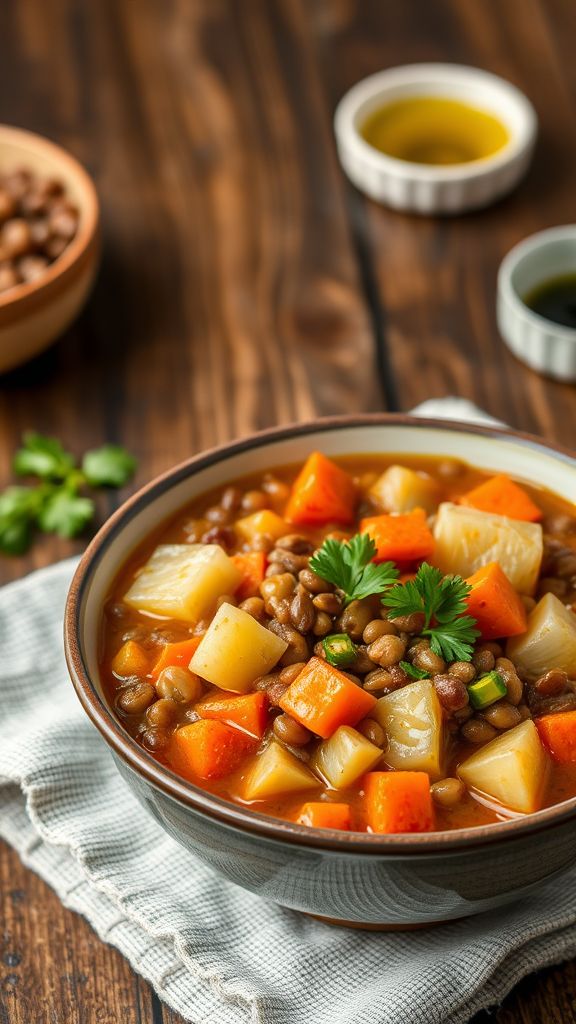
33 315
395 881
424 188
545 346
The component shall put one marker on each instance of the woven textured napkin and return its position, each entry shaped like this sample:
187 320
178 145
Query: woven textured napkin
215 953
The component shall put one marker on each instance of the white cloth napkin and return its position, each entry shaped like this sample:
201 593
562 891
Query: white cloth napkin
215 953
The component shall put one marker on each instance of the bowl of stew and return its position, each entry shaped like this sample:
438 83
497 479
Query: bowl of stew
337 661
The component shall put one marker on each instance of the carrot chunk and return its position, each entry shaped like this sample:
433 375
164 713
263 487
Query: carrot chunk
494 603
207 750
252 565
176 654
398 802
130 660
404 538
558 734
501 495
320 814
248 712
321 698
321 493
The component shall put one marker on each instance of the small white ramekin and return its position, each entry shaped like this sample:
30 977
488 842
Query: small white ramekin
544 345
425 188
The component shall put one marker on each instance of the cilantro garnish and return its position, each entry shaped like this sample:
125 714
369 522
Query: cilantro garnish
56 504
442 599
349 566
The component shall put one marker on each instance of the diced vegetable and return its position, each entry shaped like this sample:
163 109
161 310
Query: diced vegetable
549 641
183 581
512 769
321 493
321 698
207 750
487 690
501 495
262 522
339 649
345 757
467 539
322 814
494 603
413 722
248 712
176 654
252 566
131 660
400 489
403 538
235 650
398 802
558 734
277 771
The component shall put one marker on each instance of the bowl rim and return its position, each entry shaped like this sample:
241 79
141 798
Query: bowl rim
378 84
89 218
225 812
508 293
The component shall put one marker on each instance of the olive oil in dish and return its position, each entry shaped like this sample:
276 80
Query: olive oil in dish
434 130
555 300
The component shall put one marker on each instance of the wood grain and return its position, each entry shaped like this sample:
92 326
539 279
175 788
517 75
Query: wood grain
244 282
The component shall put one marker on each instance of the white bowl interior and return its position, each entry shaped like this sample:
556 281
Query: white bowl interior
524 460
550 259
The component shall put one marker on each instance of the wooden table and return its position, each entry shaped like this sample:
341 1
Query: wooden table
245 283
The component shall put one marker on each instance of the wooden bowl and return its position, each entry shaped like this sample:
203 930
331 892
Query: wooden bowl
34 314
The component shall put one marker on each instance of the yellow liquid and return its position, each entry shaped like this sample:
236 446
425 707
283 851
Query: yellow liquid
434 130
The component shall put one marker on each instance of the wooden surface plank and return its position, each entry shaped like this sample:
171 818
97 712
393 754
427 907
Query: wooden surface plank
244 283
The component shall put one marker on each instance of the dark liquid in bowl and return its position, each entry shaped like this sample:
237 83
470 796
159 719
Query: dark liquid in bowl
555 300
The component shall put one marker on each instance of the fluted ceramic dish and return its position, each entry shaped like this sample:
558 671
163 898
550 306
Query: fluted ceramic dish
425 188
392 881
33 315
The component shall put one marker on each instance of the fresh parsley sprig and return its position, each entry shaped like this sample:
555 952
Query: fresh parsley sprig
56 504
349 566
442 599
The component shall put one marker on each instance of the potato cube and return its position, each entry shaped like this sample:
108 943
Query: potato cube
512 769
412 719
183 581
345 757
400 489
550 639
235 649
262 522
277 771
466 539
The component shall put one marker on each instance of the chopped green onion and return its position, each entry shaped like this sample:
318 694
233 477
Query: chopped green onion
413 672
339 650
487 690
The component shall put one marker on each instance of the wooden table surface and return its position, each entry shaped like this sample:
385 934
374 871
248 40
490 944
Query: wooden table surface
244 282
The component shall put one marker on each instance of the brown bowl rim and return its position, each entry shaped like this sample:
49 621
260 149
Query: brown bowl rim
234 815
89 218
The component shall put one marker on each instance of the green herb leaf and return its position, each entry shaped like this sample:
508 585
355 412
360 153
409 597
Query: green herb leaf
42 456
349 566
17 511
442 599
413 672
65 513
109 466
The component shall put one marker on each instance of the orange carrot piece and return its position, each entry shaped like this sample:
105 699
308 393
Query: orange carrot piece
248 712
398 802
558 734
404 538
207 750
494 603
501 495
320 814
252 565
176 654
130 660
321 493
321 698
